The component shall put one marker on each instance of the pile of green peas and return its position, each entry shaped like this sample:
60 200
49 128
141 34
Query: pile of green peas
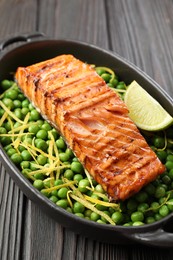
152 203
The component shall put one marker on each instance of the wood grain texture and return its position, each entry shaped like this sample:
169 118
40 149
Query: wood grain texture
140 31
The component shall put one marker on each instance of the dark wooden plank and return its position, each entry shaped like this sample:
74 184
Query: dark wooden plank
17 16
11 209
80 20
142 33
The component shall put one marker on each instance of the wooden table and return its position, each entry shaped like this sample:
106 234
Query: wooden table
142 32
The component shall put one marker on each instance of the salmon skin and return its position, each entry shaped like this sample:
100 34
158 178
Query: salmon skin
94 122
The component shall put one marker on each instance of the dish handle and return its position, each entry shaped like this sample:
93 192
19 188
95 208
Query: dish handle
162 237
27 37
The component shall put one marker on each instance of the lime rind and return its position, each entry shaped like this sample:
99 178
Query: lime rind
144 110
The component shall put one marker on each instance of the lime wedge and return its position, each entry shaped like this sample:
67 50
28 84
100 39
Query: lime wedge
144 110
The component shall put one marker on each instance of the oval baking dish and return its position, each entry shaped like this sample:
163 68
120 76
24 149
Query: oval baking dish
34 50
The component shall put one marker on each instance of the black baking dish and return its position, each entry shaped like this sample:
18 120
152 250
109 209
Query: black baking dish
35 50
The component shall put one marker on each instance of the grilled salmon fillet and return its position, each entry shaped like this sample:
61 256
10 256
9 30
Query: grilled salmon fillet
94 122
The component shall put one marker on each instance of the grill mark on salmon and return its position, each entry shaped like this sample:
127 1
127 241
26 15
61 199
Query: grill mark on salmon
94 122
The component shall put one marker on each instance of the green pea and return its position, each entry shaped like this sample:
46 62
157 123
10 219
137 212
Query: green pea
117 217
61 144
155 206
99 188
170 204
121 86
1 112
94 216
41 159
77 177
137 216
28 140
41 144
34 115
138 223
33 128
11 151
53 199
63 203
8 103
170 174
114 82
5 140
25 110
17 103
83 184
79 215
54 193
54 133
46 126
6 84
142 207
62 193
169 165
127 224
160 192
170 158
31 107
87 213
42 134
25 172
21 97
159 142
69 152
25 165
16 158
58 182
12 94
3 130
69 174
158 217
106 77
76 167
25 103
64 157
100 71
164 211
162 155
150 220
78 207
18 113
166 179
38 184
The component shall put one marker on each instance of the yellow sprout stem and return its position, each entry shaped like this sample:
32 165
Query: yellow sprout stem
92 207
100 202
3 118
14 135
17 141
49 169
59 186
10 113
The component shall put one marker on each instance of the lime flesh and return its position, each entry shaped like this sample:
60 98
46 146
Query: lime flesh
144 110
